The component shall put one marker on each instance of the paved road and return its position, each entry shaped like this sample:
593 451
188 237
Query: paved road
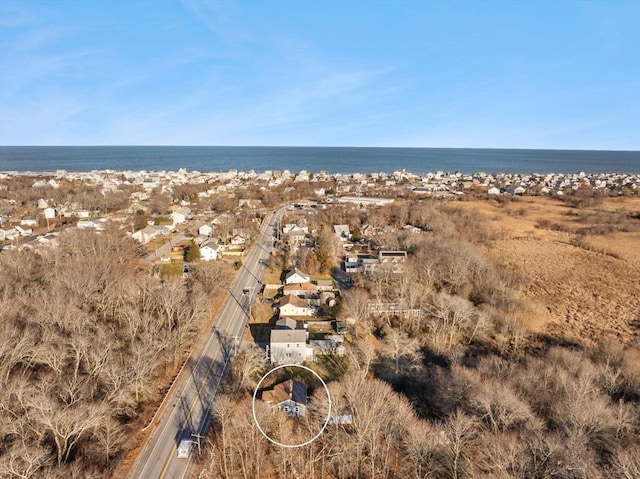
187 414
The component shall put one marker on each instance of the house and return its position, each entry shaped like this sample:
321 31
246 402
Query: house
97 224
344 418
342 232
289 397
291 227
144 235
325 285
238 240
29 222
493 191
49 213
295 238
205 230
303 290
210 251
23 230
289 346
515 190
361 263
291 305
178 217
9 234
411 229
394 259
297 276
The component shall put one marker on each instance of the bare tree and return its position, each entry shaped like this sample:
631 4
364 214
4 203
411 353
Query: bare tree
459 432
403 350
248 363
24 461
355 305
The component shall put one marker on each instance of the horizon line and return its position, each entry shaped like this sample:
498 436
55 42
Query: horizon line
309 146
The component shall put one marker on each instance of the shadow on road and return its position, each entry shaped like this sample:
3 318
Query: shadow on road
194 415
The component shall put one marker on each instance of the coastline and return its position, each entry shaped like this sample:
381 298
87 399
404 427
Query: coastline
334 160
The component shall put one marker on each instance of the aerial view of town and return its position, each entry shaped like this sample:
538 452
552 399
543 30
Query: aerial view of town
437 308
438 279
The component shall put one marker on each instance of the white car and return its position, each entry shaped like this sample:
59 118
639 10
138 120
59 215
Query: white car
184 449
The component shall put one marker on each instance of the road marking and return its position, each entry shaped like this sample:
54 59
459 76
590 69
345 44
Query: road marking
225 330
226 323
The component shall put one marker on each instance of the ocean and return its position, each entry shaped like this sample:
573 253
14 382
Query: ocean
346 160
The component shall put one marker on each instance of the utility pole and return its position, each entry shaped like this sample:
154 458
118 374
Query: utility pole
198 438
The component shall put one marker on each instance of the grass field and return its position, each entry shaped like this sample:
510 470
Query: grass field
585 286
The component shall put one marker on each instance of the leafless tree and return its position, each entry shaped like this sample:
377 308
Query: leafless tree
355 305
459 432
403 350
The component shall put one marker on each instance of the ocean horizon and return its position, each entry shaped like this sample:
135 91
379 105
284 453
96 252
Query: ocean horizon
345 160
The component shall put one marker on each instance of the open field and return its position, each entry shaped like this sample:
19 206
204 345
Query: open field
583 286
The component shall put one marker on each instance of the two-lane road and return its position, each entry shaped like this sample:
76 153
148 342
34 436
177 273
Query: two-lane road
187 414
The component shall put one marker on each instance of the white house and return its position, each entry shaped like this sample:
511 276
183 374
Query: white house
289 346
205 230
23 230
29 222
493 190
178 217
210 252
291 305
238 240
49 213
297 276
342 232
144 235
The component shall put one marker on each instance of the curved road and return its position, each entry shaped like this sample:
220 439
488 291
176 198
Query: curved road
188 411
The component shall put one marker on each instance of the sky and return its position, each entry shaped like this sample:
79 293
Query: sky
553 74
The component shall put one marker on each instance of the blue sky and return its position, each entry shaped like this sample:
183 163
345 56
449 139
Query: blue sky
503 74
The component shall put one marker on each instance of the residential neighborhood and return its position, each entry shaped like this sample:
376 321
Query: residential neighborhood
137 193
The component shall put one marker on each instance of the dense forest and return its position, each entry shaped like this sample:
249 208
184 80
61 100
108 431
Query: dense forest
85 336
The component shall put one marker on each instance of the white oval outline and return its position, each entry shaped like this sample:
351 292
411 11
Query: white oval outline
253 407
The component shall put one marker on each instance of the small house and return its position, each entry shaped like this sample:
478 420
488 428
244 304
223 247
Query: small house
210 251
291 305
289 397
303 290
297 276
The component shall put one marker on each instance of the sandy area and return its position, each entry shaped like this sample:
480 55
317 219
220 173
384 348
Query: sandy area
580 288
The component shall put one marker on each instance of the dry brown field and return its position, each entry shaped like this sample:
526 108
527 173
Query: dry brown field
581 287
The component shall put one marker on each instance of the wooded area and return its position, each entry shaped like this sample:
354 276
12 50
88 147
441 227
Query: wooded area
463 390
85 335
